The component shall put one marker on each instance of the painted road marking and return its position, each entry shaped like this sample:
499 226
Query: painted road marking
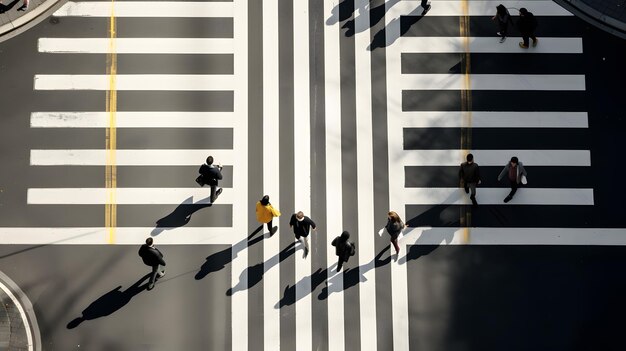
487 45
561 82
151 157
477 8
148 82
125 196
334 198
128 119
365 176
493 119
110 211
492 157
146 9
271 178
494 196
137 45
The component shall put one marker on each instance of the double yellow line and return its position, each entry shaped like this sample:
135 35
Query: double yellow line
110 210
466 105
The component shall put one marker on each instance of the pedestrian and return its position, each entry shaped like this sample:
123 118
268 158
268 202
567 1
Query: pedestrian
469 175
527 24
24 6
302 226
425 7
152 257
343 249
503 17
265 212
394 227
515 172
211 174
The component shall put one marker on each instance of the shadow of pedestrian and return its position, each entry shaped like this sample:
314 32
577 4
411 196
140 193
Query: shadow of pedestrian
4 8
382 39
180 216
254 274
219 260
109 302
428 241
375 15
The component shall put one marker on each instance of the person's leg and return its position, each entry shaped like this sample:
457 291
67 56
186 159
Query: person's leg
525 38
155 270
269 225
473 193
339 263
534 38
213 192
305 243
395 245
514 187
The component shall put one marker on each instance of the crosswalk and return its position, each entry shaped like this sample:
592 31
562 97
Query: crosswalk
406 121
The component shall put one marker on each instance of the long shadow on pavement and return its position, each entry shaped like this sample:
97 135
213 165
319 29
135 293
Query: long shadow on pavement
219 260
109 302
180 216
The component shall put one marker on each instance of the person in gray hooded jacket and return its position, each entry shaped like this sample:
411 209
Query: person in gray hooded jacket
514 171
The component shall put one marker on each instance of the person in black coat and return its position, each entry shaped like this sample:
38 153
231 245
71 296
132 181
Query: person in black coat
469 174
152 257
527 24
343 249
302 226
210 175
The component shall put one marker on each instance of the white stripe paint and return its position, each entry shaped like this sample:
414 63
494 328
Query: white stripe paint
302 169
271 177
546 45
151 82
125 196
223 236
139 119
515 236
137 45
334 199
477 8
491 157
239 301
146 9
491 82
152 157
494 196
493 119
399 298
365 176
125 236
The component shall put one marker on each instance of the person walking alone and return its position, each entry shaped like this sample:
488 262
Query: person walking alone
211 174
527 24
515 172
152 257
469 174
394 227
503 17
265 212
302 226
343 249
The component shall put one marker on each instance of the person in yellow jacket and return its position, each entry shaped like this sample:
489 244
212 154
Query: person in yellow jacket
265 212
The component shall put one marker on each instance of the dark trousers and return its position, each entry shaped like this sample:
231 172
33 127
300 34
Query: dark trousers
424 4
339 263
213 193
395 245
514 187
269 226
526 36
504 26
155 270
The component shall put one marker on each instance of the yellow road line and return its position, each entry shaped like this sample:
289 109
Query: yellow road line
466 107
110 209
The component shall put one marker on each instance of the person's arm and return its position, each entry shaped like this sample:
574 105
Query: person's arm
478 174
504 170
313 226
461 173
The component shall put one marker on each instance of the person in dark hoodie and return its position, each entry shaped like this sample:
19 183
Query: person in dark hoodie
527 24
503 17
469 174
343 249
152 257
210 175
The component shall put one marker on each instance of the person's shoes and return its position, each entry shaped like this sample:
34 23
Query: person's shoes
395 257
274 230
535 41
502 40
150 286
426 9
521 45
467 190
23 8
474 202
305 253
508 198
219 191
161 273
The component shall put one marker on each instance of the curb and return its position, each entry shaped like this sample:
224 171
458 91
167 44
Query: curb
20 316
27 17
594 17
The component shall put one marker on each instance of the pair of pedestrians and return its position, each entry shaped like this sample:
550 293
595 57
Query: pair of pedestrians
527 24
469 175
